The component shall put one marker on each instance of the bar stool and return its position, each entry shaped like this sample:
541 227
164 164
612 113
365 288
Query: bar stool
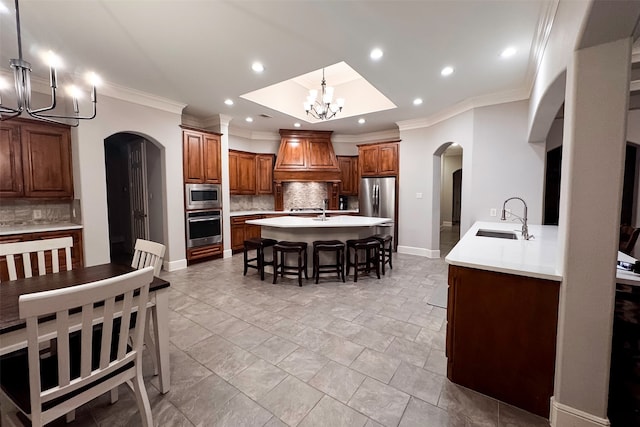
386 250
328 246
371 249
284 247
258 244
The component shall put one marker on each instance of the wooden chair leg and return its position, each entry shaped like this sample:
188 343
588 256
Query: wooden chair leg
142 399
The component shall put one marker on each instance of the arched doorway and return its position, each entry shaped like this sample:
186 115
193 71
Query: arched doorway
134 193
448 186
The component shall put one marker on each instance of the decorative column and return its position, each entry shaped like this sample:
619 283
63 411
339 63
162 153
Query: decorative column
596 105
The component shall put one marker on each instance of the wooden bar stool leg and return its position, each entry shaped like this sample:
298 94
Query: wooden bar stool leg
306 276
260 255
275 265
355 273
300 268
246 267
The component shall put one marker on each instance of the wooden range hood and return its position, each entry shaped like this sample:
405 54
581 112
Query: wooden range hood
306 156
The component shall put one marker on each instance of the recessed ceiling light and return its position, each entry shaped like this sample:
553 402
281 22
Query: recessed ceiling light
361 121
508 52
228 101
249 119
296 125
447 71
376 53
257 67
417 101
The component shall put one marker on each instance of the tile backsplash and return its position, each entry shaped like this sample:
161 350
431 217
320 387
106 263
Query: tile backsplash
252 203
298 195
30 212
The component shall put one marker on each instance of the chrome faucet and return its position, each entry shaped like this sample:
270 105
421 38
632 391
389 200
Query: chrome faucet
325 203
525 228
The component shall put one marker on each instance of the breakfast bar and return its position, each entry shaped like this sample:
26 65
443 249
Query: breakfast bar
305 229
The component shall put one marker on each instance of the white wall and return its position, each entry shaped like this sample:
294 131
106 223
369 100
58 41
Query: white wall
89 173
419 218
498 163
450 164
505 164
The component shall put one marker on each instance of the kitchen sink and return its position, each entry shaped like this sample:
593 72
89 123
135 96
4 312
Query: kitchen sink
497 234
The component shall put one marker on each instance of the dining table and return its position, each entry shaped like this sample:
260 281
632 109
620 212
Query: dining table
13 331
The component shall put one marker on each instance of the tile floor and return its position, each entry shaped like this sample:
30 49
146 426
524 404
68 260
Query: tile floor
250 353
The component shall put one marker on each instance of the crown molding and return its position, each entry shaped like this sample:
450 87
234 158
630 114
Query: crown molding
540 40
464 106
381 136
142 98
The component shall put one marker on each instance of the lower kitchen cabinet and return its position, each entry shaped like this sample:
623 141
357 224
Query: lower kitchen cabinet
77 252
200 252
241 231
501 336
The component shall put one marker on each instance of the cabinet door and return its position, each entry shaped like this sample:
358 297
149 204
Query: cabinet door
251 231
368 160
192 157
211 151
234 182
246 173
237 236
388 159
46 161
264 167
346 166
11 184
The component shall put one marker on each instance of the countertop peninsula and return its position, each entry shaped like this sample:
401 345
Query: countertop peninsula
290 212
535 258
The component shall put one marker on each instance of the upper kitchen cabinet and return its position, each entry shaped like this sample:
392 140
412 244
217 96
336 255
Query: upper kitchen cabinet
378 159
35 160
264 175
201 157
348 175
242 172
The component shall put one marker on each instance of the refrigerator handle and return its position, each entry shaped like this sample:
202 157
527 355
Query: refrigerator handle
377 200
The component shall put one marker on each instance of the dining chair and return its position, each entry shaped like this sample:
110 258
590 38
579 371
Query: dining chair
148 253
91 324
19 256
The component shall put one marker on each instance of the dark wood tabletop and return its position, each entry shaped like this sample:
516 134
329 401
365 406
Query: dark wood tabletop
11 291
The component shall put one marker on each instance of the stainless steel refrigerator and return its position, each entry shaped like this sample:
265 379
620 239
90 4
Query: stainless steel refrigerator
377 198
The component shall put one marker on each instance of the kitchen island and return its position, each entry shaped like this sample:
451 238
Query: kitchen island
305 229
502 314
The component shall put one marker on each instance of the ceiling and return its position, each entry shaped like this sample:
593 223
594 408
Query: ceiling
200 52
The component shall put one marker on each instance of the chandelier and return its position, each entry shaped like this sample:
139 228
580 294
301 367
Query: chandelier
323 109
22 78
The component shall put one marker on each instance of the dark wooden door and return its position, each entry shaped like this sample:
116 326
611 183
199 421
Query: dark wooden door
457 197
552 186
368 161
264 168
193 159
388 160
211 161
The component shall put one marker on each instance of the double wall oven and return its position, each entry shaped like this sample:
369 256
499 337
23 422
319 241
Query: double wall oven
204 215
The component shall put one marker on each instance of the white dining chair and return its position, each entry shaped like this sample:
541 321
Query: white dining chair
93 354
148 253
20 253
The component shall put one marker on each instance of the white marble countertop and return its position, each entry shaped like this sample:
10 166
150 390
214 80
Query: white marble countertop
244 213
532 258
331 222
37 228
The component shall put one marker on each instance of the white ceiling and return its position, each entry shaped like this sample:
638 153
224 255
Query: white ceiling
200 52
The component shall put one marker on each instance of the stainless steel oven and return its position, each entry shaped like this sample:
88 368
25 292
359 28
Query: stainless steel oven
204 228
203 196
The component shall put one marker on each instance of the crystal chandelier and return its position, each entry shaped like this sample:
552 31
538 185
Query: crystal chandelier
323 109
22 77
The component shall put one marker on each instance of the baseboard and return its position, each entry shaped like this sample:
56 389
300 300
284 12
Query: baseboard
174 265
566 416
427 253
227 253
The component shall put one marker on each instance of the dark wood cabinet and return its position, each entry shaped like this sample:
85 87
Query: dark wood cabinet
264 173
306 156
348 175
379 159
194 254
35 160
201 157
501 336
77 252
240 231
242 172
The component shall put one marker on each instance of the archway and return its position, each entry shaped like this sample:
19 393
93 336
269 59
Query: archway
135 192
447 196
